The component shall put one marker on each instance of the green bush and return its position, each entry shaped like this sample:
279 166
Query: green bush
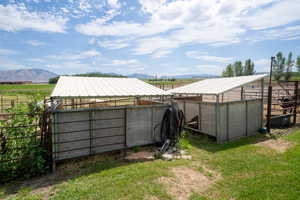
20 145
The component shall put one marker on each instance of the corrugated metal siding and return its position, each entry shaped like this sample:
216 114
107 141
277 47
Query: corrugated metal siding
88 132
216 85
236 119
68 86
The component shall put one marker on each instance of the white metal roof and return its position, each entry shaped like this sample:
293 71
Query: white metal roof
216 86
74 86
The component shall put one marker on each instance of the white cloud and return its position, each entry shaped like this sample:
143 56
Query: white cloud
262 65
212 22
210 69
111 44
200 56
280 13
7 52
35 43
66 67
287 33
161 53
15 18
125 62
6 63
114 4
36 60
76 56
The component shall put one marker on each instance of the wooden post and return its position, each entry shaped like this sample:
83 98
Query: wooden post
262 102
269 109
242 93
296 103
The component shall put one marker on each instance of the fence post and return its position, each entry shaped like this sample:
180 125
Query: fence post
269 108
125 132
262 103
296 103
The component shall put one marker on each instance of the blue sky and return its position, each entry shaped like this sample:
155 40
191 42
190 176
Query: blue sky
145 36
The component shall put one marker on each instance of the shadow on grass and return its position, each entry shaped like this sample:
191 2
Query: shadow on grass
70 170
208 143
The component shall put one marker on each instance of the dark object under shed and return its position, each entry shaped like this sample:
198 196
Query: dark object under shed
280 121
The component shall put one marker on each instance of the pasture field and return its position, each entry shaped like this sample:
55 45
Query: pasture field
254 168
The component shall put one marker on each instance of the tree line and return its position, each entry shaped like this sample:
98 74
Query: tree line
55 79
239 69
283 68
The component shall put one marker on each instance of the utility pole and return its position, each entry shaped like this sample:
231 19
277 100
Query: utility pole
269 109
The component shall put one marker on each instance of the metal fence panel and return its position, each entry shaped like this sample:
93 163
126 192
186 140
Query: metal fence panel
254 116
139 127
236 120
191 110
208 118
90 131
223 123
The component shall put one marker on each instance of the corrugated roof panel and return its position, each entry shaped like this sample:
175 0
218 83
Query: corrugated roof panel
216 85
74 86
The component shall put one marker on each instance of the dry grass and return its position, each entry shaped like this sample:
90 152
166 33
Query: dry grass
187 181
279 145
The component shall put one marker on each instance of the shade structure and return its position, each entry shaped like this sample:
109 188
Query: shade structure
89 87
216 86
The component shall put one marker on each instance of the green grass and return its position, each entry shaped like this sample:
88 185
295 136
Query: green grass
27 89
247 171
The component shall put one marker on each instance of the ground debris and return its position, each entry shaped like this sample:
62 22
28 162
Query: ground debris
141 155
280 145
186 181
181 154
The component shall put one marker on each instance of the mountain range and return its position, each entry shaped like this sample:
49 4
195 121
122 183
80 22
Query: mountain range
40 75
34 75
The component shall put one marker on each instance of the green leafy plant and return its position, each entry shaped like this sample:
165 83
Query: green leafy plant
21 153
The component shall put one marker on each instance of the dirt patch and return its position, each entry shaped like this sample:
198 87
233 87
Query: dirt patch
186 181
142 155
151 198
279 145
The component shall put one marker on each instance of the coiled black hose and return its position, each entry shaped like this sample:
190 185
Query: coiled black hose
171 127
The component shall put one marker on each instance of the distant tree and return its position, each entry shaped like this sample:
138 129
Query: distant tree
298 63
249 67
238 68
289 67
53 80
279 66
228 72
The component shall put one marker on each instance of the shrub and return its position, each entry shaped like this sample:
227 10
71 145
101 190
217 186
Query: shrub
21 153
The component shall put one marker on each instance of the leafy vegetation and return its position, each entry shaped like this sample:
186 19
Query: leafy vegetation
21 155
283 68
248 171
238 69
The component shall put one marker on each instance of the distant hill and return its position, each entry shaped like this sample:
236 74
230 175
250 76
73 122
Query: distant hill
34 75
190 76
141 76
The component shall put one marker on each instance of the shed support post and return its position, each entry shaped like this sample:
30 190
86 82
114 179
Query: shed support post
270 89
242 93
217 118
296 103
262 103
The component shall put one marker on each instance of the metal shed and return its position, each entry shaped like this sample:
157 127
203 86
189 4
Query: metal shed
124 112
226 108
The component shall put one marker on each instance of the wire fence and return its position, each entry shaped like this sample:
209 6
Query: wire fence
24 144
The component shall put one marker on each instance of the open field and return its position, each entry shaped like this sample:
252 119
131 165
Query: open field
27 90
257 167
